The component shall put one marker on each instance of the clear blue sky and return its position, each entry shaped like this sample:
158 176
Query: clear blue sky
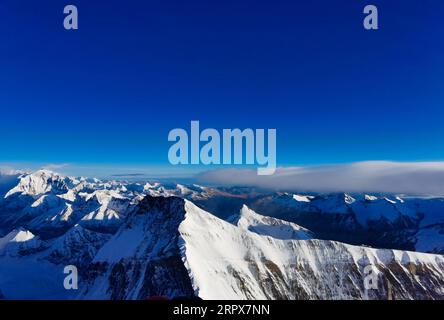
110 92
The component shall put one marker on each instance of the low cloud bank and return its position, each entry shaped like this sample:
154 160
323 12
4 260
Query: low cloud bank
55 166
413 178
6 171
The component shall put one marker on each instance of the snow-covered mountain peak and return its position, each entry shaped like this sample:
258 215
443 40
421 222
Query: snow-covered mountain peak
103 197
268 226
49 200
78 246
227 261
247 212
41 182
348 198
172 247
389 200
70 195
149 185
18 235
333 203
301 198
18 240
107 209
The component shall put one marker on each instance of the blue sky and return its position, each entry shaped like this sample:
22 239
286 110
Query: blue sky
107 94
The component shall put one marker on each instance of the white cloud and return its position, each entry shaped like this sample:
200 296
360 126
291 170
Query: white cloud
55 166
8 171
418 178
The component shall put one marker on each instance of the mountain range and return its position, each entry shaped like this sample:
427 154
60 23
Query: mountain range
136 240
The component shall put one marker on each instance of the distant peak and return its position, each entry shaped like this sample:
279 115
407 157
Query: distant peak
41 182
246 212
389 200
301 198
370 198
348 198
16 236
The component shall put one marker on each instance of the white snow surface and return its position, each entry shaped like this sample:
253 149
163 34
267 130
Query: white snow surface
14 237
234 259
218 254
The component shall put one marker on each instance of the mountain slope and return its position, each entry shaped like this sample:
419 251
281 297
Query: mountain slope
147 262
230 262
171 247
135 241
388 222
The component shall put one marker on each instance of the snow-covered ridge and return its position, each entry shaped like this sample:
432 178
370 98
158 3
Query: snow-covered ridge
49 203
228 261
41 182
378 220
17 241
169 239
16 236
169 246
53 203
249 220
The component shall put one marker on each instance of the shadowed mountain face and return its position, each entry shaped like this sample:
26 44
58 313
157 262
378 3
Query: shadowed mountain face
7 182
147 261
135 241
